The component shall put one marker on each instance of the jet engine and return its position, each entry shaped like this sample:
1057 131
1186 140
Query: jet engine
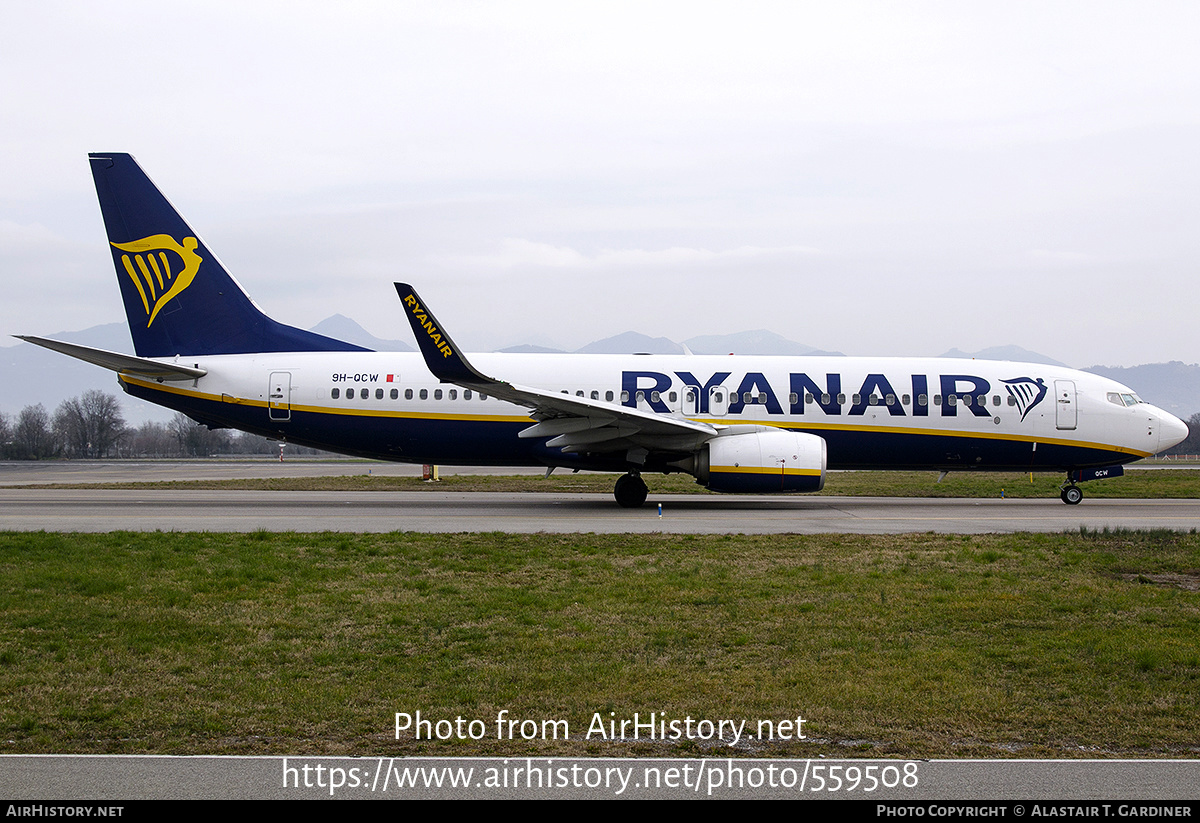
762 462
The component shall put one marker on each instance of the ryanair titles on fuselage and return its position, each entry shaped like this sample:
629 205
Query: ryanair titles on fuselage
828 393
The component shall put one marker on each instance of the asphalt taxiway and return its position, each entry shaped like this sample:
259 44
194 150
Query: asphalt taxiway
101 510
92 510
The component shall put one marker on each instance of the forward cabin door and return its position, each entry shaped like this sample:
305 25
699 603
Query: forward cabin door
1065 413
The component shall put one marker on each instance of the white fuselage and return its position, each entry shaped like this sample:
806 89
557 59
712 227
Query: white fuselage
873 412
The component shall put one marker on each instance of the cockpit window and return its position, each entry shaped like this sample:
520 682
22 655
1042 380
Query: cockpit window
1123 399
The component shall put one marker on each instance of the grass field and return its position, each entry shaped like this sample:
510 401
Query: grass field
910 646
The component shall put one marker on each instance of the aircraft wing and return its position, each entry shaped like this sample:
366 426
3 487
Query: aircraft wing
120 363
573 423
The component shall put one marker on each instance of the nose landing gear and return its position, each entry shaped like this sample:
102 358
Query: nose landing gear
1071 494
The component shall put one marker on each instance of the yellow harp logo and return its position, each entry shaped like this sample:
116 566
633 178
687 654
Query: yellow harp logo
150 268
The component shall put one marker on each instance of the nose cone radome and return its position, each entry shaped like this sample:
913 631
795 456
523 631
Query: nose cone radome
1174 431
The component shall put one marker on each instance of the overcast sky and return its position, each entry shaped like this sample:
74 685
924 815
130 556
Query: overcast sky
872 178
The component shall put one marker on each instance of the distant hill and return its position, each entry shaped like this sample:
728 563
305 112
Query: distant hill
1173 386
1010 352
632 342
759 341
529 348
343 328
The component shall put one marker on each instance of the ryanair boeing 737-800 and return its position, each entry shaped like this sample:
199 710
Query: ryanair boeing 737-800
736 423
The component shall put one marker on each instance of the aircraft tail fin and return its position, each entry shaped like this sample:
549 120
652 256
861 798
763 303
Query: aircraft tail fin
178 297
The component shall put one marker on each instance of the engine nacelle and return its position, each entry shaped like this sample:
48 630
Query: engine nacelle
763 462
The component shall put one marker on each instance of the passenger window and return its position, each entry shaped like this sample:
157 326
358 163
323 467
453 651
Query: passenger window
379 394
454 394
857 398
672 397
842 399
922 400
579 394
655 396
595 395
937 400
408 394
808 399
424 394
437 394
395 394
952 399
995 400
825 398
904 400
335 393
466 394
608 396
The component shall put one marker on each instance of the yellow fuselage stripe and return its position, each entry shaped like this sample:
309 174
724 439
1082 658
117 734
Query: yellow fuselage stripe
792 425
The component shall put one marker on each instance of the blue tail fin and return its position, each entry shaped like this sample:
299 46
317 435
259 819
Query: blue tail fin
178 297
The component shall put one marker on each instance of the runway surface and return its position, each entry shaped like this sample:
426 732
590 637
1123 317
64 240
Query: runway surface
87 510
100 510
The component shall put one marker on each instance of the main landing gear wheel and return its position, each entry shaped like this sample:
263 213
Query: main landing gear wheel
1071 495
630 491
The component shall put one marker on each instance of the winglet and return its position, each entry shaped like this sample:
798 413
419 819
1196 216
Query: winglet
442 356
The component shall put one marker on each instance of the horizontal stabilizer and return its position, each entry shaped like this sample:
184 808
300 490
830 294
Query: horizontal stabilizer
121 363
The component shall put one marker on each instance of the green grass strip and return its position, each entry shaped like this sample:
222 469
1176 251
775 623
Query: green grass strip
896 646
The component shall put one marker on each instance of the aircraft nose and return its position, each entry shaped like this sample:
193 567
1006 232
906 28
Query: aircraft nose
1173 431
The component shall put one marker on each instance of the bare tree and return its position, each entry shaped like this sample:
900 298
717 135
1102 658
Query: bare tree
5 435
196 439
32 438
153 439
90 425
